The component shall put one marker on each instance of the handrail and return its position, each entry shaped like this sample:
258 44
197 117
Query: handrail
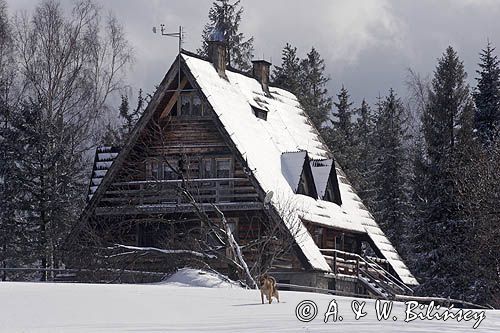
390 293
388 276
393 279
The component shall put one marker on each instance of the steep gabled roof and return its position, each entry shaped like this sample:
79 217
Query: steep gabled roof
262 143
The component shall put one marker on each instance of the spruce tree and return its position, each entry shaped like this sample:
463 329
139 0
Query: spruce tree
440 233
364 153
50 177
313 94
227 17
340 138
343 114
389 183
487 95
481 186
287 76
116 135
11 222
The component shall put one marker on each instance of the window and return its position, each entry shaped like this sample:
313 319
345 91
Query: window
206 168
157 170
259 113
223 167
169 172
185 105
196 106
190 104
318 236
224 188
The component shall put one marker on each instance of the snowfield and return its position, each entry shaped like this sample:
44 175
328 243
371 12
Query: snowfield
211 305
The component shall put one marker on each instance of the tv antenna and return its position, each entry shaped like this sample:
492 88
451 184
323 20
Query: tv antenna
179 35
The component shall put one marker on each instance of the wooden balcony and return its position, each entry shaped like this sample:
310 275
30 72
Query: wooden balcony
169 196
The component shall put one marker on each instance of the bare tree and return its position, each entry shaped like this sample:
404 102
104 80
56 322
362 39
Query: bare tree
67 67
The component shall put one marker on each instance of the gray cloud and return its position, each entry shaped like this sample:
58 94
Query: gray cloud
367 44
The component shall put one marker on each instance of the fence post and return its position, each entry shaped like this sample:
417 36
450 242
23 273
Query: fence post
335 262
357 266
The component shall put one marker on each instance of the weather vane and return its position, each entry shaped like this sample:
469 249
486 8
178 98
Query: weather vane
163 32
178 35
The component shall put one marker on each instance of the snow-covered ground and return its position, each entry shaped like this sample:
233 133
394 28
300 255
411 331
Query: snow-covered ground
177 306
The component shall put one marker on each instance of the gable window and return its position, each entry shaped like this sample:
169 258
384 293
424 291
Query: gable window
190 105
196 106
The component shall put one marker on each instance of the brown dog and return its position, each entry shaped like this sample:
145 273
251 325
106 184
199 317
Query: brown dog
268 287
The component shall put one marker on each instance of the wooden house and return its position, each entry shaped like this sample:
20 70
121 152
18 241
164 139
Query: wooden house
238 143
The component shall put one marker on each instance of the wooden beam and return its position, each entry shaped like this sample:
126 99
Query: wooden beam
174 98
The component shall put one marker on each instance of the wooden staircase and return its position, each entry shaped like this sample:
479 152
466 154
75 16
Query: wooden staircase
369 272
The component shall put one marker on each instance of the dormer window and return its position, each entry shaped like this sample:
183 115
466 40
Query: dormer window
259 113
325 179
297 171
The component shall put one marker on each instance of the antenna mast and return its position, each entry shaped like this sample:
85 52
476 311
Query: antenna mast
178 35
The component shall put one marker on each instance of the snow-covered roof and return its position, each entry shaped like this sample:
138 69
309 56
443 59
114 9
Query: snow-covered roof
103 159
292 164
263 143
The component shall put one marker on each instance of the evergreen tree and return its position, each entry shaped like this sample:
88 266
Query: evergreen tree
390 196
313 94
11 224
227 17
340 138
440 233
481 186
287 76
344 114
487 96
116 137
131 117
364 154
50 178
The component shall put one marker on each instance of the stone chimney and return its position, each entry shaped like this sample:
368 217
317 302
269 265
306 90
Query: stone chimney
261 74
217 55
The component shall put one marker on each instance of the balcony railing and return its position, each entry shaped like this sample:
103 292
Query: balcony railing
208 190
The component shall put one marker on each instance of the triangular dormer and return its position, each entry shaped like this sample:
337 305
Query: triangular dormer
325 178
296 168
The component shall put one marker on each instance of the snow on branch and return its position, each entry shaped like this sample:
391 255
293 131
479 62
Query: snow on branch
235 247
167 251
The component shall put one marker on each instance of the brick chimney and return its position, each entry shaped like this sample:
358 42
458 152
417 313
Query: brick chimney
217 55
261 74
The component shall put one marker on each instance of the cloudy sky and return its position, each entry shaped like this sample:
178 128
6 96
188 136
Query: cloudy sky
367 44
